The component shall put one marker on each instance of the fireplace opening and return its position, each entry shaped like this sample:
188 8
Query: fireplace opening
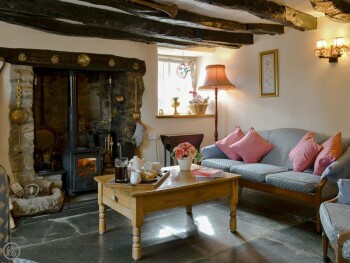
64 138
69 109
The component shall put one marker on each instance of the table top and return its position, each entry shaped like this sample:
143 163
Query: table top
176 179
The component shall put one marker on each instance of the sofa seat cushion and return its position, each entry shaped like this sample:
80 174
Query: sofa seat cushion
256 171
223 164
335 219
295 181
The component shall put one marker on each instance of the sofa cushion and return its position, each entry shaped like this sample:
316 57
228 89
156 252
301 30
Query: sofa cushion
230 139
223 164
304 153
295 181
256 171
332 149
335 219
252 147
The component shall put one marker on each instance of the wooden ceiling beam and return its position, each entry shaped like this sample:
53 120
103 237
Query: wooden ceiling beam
110 20
337 10
270 11
68 29
190 19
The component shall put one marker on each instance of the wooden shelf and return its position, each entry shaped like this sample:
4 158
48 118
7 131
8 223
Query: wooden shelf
185 116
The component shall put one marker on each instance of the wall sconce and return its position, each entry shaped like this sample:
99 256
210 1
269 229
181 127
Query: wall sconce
333 52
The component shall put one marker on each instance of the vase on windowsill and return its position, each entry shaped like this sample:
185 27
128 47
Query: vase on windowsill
185 163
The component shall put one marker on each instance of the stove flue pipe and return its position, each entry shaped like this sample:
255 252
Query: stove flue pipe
72 110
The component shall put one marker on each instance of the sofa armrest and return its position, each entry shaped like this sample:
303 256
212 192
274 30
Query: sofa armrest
339 169
342 237
212 151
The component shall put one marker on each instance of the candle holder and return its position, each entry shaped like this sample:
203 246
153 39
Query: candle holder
175 104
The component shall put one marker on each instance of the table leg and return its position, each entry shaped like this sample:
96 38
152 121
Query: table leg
137 221
102 210
164 156
102 221
233 205
188 209
136 243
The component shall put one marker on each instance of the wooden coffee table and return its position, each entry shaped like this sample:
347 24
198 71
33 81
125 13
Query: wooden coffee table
181 188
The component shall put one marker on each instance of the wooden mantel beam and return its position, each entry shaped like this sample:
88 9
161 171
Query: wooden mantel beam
337 10
94 18
270 11
190 19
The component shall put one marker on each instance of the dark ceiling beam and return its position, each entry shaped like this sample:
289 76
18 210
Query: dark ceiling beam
270 11
106 19
189 19
68 29
337 10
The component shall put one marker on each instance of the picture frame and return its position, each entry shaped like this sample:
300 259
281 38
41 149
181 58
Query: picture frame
268 73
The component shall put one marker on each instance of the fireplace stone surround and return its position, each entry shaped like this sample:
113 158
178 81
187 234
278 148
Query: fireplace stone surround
115 116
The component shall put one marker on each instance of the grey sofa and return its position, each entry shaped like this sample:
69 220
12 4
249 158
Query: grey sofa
274 173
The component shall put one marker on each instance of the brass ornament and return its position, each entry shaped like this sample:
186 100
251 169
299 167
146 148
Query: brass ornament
22 56
119 99
136 66
19 115
111 62
54 59
84 60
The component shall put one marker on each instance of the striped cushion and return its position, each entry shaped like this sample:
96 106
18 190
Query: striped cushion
335 218
256 171
295 181
223 164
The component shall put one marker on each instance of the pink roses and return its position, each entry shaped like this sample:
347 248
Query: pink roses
185 149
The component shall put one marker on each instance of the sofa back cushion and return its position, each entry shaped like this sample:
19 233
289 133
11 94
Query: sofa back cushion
285 139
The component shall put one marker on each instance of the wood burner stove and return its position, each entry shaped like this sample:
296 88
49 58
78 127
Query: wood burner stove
83 165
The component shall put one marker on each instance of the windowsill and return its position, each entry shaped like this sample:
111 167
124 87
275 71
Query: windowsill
184 116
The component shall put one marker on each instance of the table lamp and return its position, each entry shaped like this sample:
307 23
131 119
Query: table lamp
216 79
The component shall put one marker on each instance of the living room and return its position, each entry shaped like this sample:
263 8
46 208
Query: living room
313 93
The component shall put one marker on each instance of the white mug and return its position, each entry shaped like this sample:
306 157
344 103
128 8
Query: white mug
135 177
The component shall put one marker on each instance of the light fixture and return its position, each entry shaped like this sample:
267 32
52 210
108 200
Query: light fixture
333 52
216 79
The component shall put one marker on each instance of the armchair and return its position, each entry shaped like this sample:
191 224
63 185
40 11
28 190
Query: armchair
335 219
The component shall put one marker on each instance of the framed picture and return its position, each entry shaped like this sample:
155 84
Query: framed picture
268 73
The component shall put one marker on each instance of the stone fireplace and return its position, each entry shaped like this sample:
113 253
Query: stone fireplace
62 132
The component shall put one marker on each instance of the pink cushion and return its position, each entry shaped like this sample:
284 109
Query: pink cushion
304 153
252 147
224 144
331 151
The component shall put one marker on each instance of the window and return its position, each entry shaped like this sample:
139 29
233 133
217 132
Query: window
175 79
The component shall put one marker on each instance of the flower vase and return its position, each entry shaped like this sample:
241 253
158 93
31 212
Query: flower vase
185 163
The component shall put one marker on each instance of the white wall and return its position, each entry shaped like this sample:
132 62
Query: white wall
314 94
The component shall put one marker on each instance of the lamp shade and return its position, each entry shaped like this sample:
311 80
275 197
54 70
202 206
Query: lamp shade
216 78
